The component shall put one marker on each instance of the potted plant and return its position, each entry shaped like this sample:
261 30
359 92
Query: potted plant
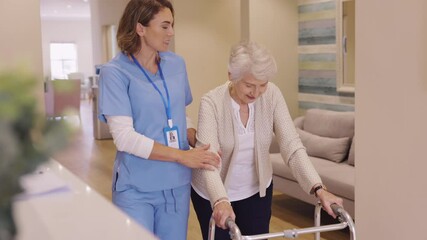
27 139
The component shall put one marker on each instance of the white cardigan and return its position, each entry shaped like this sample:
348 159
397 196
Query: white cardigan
217 128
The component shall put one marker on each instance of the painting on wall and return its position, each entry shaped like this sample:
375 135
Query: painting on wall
318 62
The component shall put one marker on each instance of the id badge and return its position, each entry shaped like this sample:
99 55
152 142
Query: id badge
171 136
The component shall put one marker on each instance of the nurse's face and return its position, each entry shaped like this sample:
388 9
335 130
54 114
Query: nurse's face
248 89
159 32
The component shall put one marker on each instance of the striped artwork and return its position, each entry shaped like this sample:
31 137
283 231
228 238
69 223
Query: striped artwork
317 23
317 57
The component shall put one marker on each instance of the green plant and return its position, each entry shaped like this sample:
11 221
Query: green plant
27 139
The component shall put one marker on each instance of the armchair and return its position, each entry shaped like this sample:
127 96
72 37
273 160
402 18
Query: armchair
84 84
62 98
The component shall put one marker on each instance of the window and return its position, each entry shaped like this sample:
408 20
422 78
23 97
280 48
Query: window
345 46
63 59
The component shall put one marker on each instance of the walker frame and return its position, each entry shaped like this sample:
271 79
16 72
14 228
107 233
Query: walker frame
343 216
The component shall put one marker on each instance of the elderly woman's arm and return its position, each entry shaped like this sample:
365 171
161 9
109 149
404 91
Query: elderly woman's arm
207 133
306 175
291 148
295 156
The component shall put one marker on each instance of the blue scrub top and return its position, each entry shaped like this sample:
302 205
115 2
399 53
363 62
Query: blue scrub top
125 91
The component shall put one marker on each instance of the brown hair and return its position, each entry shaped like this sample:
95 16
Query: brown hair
137 11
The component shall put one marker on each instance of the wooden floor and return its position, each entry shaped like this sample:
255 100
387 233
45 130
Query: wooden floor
92 161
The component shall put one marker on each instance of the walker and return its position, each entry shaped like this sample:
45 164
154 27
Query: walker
343 216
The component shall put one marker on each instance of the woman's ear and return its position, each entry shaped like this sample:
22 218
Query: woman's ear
229 76
140 29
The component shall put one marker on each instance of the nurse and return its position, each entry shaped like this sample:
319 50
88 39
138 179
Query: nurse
144 92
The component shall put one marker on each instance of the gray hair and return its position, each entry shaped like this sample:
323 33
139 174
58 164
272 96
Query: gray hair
251 58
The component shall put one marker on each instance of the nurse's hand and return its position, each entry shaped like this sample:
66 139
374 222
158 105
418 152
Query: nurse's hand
191 136
200 157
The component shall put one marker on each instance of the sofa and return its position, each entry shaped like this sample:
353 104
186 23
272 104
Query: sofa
328 137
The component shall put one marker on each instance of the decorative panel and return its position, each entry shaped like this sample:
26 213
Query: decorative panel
317 57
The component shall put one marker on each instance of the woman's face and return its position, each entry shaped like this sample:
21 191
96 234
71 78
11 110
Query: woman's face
159 32
248 89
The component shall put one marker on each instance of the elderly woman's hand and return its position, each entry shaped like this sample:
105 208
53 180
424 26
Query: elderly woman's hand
221 212
327 199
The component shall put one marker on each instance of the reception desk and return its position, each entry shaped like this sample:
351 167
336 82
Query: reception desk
58 205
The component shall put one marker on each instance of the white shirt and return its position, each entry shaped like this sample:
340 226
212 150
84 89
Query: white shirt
243 177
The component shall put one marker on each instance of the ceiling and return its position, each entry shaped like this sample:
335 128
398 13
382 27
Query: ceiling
64 9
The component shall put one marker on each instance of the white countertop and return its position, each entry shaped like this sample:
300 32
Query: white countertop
59 206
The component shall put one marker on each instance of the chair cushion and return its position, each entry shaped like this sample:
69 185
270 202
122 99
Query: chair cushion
339 178
327 123
299 122
334 149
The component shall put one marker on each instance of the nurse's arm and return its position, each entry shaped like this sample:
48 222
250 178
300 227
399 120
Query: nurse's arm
128 140
198 157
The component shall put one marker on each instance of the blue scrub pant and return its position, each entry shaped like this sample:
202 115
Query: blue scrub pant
165 213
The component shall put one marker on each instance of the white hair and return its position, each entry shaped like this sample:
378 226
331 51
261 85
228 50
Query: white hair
251 58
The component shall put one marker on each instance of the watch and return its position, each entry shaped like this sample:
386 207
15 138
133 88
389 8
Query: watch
317 188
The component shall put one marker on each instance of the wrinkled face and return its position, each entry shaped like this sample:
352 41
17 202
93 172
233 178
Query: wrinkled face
248 89
159 32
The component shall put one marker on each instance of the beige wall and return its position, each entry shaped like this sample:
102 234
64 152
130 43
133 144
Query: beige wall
20 41
391 117
206 30
204 33
274 23
103 13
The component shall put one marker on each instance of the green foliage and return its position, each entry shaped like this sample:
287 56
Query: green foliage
27 139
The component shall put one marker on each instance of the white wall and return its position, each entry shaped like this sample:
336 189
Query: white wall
204 33
391 119
103 13
274 23
74 31
20 41
88 34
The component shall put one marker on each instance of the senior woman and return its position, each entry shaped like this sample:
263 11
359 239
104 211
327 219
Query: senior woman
239 119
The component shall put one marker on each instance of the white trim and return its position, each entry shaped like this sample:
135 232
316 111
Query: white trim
305 2
337 100
348 88
325 48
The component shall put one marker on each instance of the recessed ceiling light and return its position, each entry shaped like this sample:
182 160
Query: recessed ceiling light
68 6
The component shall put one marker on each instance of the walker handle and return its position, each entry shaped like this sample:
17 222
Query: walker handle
337 209
344 216
235 233
229 222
